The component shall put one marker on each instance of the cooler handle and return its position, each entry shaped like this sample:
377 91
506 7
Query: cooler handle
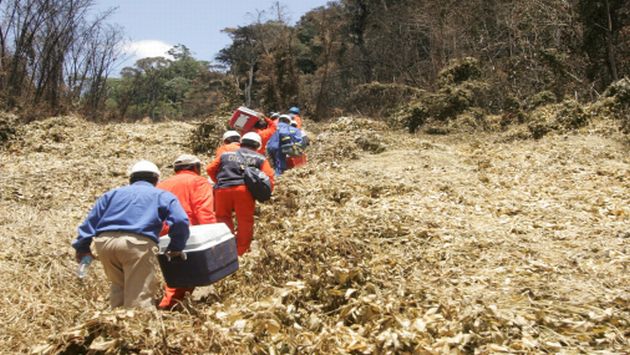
183 256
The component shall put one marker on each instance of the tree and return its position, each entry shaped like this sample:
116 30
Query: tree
161 87
523 48
242 56
262 59
602 23
53 56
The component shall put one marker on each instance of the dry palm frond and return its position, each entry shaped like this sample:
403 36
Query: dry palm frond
435 244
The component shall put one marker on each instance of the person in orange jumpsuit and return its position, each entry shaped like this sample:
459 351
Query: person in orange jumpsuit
265 130
194 193
230 192
294 112
231 142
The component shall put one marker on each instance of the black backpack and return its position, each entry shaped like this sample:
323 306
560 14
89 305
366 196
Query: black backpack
257 182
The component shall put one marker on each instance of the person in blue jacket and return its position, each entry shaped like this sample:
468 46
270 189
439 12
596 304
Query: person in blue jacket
286 141
124 226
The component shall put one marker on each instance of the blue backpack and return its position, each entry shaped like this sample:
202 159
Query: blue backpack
291 143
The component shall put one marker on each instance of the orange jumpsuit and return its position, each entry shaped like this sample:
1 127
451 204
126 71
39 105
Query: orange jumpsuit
265 134
195 195
294 162
231 194
298 120
226 148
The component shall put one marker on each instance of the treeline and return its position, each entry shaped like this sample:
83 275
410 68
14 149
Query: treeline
176 86
55 56
347 56
570 48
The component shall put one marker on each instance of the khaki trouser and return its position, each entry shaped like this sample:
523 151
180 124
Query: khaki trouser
129 262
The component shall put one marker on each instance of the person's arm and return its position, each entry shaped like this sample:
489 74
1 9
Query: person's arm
265 136
213 169
266 133
266 168
274 143
177 221
203 203
164 230
298 120
300 135
87 230
274 151
271 123
220 151
306 141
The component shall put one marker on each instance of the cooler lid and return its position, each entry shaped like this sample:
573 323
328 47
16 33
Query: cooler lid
248 111
202 237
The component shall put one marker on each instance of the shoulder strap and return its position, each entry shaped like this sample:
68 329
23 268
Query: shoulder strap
241 159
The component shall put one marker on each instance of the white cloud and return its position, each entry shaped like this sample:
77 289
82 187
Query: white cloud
146 48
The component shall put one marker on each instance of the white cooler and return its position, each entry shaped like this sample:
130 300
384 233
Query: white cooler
210 256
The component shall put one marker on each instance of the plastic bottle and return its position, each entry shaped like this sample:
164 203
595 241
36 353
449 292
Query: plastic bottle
83 266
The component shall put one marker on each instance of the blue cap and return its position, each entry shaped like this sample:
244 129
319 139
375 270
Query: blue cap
294 110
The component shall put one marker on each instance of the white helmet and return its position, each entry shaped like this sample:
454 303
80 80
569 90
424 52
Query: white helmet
186 159
285 118
144 166
252 136
230 134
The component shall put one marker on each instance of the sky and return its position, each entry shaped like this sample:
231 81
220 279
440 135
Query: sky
152 27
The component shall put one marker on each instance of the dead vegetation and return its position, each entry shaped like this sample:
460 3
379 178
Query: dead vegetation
461 243
379 100
615 104
206 136
464 100
461 89
8 128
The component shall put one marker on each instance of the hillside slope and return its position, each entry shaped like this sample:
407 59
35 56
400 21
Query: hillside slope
385 242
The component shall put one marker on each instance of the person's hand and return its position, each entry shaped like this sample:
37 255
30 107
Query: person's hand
80 255
176 254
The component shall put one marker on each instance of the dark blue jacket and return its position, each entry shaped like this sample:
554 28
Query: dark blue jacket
232 166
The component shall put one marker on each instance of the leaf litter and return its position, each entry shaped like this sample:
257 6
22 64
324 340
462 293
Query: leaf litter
393 244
